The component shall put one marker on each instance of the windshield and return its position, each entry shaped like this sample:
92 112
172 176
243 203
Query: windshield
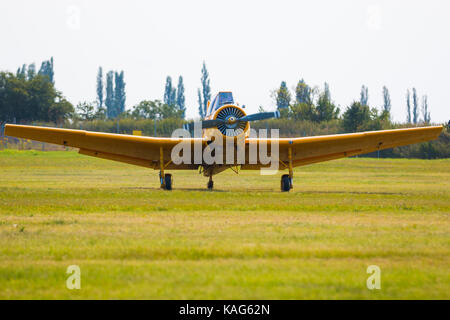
221 99
225 98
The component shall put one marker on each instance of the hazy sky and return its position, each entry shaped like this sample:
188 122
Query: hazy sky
249 47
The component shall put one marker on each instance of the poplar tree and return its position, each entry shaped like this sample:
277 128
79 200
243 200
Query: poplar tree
302 92
47 69
283 96
167 90
206 91
170 94
425 112
325 109
364 100
119 93
386 100
408 106
109 100
180 96
415 106
22 72
100 87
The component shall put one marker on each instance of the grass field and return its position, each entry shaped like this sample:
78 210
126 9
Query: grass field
245 240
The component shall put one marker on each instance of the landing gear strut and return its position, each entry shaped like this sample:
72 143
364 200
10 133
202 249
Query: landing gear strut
210 184
165 179
287 179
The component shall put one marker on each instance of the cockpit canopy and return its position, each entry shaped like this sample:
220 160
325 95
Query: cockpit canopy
221 99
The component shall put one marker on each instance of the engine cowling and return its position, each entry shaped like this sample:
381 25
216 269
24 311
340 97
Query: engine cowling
230 126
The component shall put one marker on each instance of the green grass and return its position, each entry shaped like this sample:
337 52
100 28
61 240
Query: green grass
245 240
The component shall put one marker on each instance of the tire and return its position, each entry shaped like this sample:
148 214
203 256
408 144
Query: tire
285 183
168 181
210 185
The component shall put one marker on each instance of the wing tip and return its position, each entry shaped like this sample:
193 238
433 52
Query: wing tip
6 129
12 129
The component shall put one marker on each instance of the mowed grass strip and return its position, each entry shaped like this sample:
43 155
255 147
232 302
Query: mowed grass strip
245 240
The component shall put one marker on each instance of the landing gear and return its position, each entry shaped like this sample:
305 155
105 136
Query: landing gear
210 184
165 179
287 179
286 183
168 181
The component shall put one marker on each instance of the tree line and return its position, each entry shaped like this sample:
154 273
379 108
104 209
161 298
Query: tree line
312 104
110 103
30 96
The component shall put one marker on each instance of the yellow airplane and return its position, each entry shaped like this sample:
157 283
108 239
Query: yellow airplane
228 120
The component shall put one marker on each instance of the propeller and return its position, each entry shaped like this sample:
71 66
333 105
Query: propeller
230 119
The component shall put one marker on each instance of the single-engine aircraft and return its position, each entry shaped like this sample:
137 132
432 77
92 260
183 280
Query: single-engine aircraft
223 118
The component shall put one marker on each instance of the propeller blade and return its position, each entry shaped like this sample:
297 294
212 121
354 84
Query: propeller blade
211 123
205 124
261 116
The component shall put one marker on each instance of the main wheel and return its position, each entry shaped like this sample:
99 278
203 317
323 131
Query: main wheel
168 181
285 183
210 185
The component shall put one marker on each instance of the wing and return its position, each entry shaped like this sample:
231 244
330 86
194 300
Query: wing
137 150
309 150
146 151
